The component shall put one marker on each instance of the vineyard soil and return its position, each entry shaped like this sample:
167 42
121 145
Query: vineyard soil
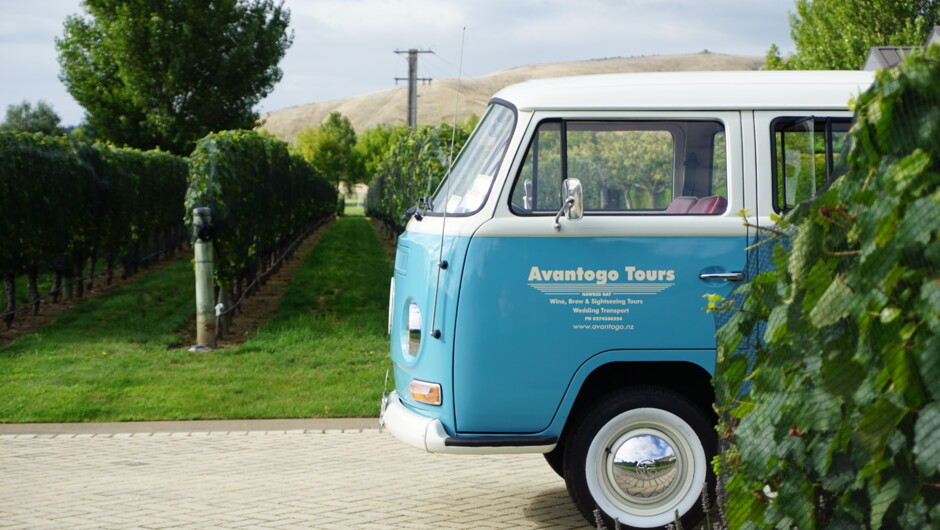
254 312
25 322
261 307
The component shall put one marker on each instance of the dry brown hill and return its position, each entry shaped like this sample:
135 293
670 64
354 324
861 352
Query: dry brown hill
436 100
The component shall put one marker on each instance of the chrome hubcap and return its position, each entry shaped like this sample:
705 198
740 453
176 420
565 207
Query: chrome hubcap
643 466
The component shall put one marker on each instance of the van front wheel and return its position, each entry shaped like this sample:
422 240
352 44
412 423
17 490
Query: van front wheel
640 456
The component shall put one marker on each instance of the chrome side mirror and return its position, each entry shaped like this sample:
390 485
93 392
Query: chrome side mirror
573 207
573 191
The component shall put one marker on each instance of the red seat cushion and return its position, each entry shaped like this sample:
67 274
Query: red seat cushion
709 205
681 205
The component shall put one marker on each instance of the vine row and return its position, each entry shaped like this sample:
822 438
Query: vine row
414 162
261 196
65 206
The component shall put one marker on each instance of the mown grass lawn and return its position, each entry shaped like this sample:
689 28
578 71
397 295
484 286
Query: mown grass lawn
121 356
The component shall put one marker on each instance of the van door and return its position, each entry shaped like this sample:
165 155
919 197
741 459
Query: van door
661 197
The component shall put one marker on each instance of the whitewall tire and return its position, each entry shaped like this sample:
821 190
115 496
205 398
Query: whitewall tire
641 456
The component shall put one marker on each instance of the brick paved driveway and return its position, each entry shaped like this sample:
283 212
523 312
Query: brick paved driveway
264 474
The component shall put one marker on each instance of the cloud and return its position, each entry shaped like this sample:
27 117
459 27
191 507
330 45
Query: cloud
344 48
376 19
644 447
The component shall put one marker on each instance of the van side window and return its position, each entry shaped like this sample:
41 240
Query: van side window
625 167
538 186
807 157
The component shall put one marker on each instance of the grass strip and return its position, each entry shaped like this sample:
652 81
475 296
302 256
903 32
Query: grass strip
119 357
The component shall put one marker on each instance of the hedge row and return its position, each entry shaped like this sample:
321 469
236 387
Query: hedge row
63 205
261 196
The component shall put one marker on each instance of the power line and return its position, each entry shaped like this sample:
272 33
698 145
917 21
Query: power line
413 83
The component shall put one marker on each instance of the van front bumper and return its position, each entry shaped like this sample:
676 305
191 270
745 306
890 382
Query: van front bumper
429 434
412 428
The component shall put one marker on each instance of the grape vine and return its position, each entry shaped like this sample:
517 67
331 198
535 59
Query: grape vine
831 407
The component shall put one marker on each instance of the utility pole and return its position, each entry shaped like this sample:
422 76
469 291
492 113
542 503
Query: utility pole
413 83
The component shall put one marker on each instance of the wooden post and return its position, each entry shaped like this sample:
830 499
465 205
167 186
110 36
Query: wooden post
205 293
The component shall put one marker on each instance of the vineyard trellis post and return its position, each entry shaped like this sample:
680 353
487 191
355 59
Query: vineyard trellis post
205 290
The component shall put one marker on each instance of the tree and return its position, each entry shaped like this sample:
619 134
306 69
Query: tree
25 118
836 34
165 74
330 149
373 145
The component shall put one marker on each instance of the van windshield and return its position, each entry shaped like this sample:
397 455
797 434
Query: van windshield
465 189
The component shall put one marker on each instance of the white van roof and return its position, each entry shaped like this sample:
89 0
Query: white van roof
726 90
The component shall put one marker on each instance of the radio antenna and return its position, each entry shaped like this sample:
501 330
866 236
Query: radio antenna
453 132
441 262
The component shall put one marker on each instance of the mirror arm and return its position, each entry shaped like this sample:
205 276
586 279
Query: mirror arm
564 208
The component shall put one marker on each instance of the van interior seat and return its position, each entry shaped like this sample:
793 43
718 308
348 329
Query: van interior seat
709 205
681 205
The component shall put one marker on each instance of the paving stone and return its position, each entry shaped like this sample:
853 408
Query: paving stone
269 478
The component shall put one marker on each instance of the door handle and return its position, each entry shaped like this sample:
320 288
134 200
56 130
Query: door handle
728 276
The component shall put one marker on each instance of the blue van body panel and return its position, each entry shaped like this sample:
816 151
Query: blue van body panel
545 299
416 267
704 359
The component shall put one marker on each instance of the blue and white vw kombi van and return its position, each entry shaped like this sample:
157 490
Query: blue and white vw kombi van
548 298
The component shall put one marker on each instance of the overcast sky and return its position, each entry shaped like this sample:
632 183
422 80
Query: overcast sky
345 48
